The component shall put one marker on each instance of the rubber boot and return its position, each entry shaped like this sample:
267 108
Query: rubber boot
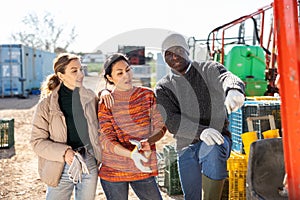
211 189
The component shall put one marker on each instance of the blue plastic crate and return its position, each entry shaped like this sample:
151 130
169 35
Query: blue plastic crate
236 128
238 120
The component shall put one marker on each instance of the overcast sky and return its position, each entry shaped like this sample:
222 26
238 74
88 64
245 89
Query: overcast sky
99 22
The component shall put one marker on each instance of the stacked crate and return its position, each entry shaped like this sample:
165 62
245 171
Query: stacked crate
237 163
6 133
160 179
171 177
7 141
171 181
238 120
237 171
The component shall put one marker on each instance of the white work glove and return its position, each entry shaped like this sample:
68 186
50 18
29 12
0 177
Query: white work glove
142 144
234 100
137 159
76 169
211 136
84 168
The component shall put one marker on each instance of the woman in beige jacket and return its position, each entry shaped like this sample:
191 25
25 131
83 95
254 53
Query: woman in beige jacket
65 132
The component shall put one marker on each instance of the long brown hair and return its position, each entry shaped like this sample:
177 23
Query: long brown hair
59 65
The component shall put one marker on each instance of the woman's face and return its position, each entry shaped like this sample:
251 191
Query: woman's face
121 76
73 76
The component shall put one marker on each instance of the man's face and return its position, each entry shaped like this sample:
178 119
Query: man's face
177 58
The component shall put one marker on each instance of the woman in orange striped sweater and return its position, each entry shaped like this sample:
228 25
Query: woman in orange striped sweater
128 132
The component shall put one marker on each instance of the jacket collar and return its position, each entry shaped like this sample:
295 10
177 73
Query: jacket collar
85 97
53 105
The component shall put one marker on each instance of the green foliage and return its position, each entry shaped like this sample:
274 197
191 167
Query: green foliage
95 67
152 63
153 81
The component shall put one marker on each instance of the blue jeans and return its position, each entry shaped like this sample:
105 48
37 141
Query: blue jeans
198 159
85 190
145 189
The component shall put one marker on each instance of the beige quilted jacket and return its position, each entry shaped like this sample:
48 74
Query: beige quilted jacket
49 134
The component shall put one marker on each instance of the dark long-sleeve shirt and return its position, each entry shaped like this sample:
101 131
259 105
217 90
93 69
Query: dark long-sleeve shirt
194 101
77 129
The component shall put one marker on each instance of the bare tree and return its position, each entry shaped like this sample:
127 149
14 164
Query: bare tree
45 33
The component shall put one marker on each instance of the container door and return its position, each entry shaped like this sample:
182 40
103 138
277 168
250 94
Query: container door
10 70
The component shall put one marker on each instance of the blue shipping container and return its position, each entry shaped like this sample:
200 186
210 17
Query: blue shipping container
23 68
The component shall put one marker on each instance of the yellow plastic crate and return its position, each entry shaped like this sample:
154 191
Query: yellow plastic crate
237 170
262 98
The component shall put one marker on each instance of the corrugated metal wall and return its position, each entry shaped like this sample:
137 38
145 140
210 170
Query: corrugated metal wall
22 68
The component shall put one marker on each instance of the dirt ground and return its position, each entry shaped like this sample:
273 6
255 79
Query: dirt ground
18 165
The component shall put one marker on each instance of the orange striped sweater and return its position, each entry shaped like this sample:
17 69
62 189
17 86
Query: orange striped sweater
128 119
